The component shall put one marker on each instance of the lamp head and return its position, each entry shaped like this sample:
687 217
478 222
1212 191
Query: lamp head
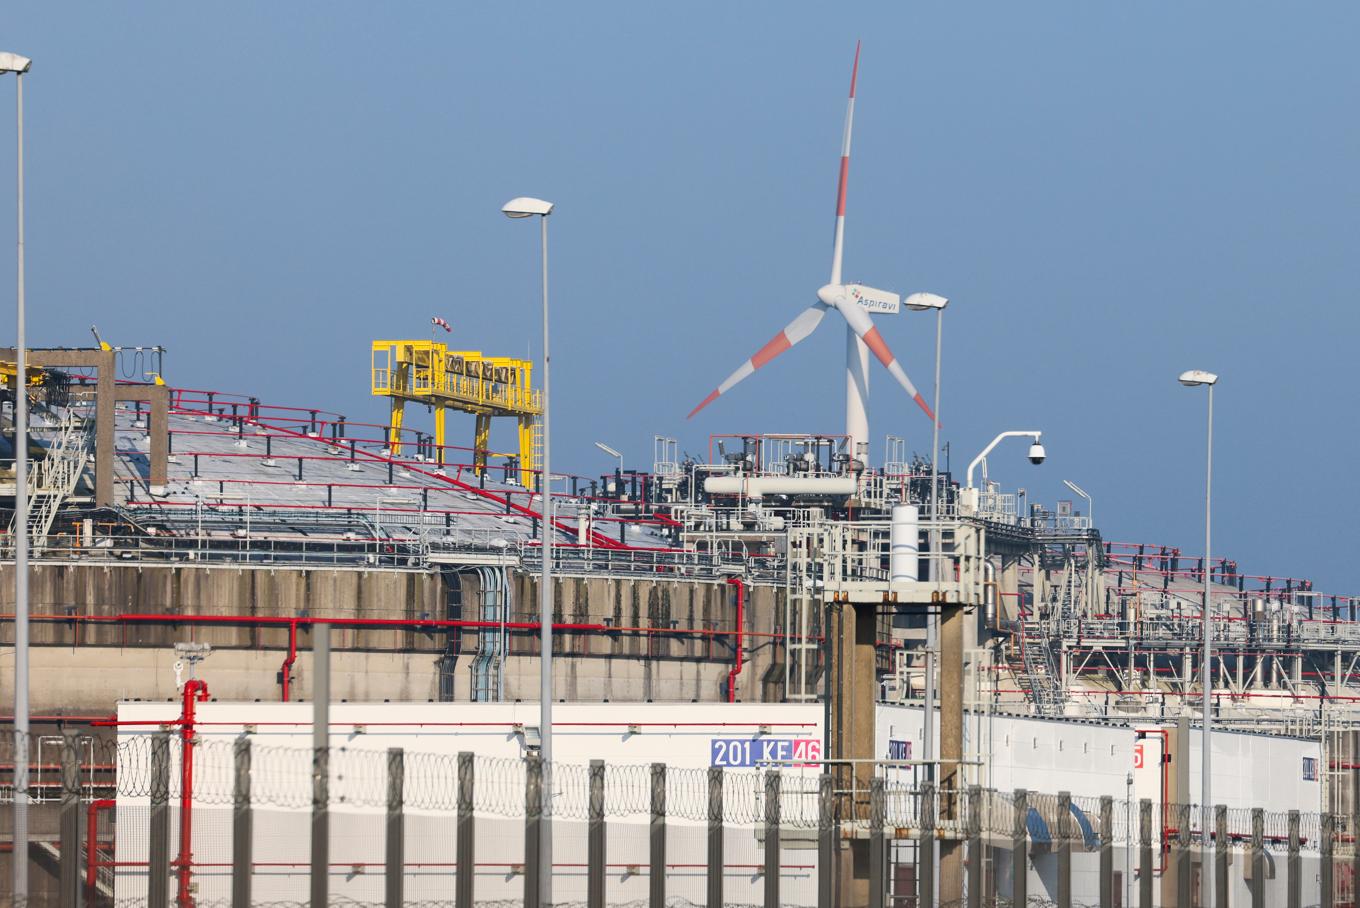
524 207
1196 377
608 450
13 63
924 302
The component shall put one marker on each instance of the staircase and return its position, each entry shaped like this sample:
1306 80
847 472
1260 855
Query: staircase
53 478
1039 680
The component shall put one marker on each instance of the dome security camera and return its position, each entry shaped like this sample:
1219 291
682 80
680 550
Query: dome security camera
1036 453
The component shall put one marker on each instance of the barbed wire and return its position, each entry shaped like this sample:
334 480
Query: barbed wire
148 765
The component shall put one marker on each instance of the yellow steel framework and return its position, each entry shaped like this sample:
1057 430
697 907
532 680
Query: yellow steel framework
426 372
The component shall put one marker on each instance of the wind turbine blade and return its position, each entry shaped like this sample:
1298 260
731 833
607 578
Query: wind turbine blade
863 326
838 244
796 330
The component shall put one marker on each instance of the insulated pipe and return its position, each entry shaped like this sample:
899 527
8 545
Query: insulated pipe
905 543
759 486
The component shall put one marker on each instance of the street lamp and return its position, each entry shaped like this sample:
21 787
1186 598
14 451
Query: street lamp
611 452
1090 505
13 63
524 208
925 302
1193 379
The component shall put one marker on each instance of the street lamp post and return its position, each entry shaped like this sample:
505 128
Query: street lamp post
13 63
1090 505
1194 379
618 492
524 208
926 302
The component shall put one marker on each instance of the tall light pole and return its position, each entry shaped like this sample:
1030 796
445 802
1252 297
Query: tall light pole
524 208
13 63
1090 505
1193 379
925 302
612 453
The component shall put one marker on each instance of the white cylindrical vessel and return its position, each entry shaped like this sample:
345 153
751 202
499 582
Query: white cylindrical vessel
905 541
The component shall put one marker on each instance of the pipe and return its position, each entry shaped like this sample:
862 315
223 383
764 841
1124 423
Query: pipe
92 845
741 630
195 691
287 670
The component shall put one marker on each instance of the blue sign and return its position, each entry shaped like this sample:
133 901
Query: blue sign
899 750
747 752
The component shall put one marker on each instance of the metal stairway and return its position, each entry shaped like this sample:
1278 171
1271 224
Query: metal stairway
53 478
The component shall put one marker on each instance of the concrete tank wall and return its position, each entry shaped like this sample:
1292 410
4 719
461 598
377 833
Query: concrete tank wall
83 660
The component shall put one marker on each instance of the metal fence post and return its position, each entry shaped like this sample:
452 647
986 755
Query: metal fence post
1107 852
1258 864
656 882
158 852
1145 853
396 827
595 837
1222 853
878 871
70 819
465 847
715 837
826 842
1020 850
1184 891
975 874
321 764
926 846
533 830
1064 836
1325 871
242 827
772 780
1295 881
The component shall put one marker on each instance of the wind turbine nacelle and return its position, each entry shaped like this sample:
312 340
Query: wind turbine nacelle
869 299
872 299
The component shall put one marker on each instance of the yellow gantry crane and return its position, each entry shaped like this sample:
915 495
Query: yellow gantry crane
427 372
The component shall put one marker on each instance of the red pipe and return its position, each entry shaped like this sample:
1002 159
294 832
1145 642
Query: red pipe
92 844
287 670
741 631
195 691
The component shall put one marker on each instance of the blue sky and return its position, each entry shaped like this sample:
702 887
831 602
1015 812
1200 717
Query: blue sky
1109 193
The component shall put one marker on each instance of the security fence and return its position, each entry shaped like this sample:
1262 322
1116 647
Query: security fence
158 819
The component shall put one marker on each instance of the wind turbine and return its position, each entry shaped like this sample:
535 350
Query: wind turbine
853 302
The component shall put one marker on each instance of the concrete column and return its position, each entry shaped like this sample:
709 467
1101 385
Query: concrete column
772 872
715 838
1063 834
1184 856
953 621
975 856
70 817
158 851
1020 850
1294 866
533 830
656 883
595 838
827 842
396 828
928 847
1326 867
1107 852
850 730
1222 850
465 862
242 826
1145 865
1258 863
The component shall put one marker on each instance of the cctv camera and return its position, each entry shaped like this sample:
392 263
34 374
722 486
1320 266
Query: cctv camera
1036 454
